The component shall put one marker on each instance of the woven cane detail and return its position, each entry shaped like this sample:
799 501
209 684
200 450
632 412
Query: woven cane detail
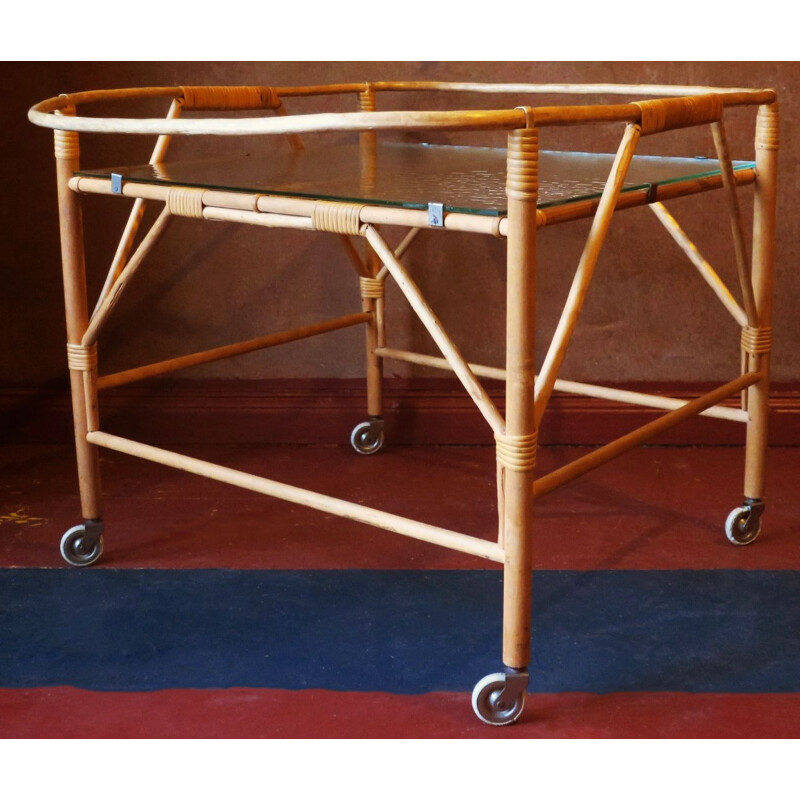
66 144
679 112
80 358
223 98
337 217
371 288
522 177
517 453
768 128
756 340
185 202
366 100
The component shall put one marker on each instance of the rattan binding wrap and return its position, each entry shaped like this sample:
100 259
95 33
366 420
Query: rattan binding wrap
337 217
522 178
222 98
81 358
185 202
679 112
517 453
371 288
756 340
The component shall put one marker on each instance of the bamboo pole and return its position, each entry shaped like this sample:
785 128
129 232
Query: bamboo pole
228 351
583 274
294 206
137 212
407 241
258 218
434 327
572 387
309 123
613 449
392 120
83 390
730 96
374 331
101 315
399 251
515 473
330 505
665 90
581 209
705 269
295 141
352 253
764 215
412 218
732 202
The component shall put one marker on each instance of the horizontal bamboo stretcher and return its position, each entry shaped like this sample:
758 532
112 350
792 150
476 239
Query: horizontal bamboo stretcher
352 193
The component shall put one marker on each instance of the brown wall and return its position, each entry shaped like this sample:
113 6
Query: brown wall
648 317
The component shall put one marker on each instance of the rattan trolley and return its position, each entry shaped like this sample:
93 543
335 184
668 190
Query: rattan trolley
379 183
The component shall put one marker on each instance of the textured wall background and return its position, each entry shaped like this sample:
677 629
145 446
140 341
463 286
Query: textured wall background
648 316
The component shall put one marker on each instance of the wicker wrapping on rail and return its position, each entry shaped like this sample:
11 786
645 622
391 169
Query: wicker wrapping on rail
222 98
679 112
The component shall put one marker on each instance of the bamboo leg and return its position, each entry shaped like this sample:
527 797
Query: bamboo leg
83 373
372 294
516 449
767 143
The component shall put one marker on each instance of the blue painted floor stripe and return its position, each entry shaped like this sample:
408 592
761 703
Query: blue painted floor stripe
396 631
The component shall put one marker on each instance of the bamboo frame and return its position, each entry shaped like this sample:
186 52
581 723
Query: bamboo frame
767 146
435 329
230 350
526 394
705 269
604 454
135 217
283 491
573 387
583 274
100 317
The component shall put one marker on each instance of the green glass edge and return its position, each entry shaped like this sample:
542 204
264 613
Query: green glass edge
483 212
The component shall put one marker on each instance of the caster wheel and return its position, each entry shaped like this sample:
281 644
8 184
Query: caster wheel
744 524
78 550
495 702
367 437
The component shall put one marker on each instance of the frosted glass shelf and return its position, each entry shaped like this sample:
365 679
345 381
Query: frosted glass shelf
464 179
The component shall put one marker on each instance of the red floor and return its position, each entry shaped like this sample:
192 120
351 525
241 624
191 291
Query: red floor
656 508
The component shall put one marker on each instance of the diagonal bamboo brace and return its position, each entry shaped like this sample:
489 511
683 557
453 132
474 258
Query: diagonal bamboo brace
619 446
101 315
737 228
137 212
435 329
585 270
705 269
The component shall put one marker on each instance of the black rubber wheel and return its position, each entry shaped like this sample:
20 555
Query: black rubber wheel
367 438
77 551
742 525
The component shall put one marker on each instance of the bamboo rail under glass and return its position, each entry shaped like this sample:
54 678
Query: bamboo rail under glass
351 190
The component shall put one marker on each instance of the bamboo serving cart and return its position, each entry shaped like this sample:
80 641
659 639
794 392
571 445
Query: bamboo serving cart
350 191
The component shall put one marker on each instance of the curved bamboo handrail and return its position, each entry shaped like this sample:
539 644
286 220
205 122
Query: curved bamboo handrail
43 113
